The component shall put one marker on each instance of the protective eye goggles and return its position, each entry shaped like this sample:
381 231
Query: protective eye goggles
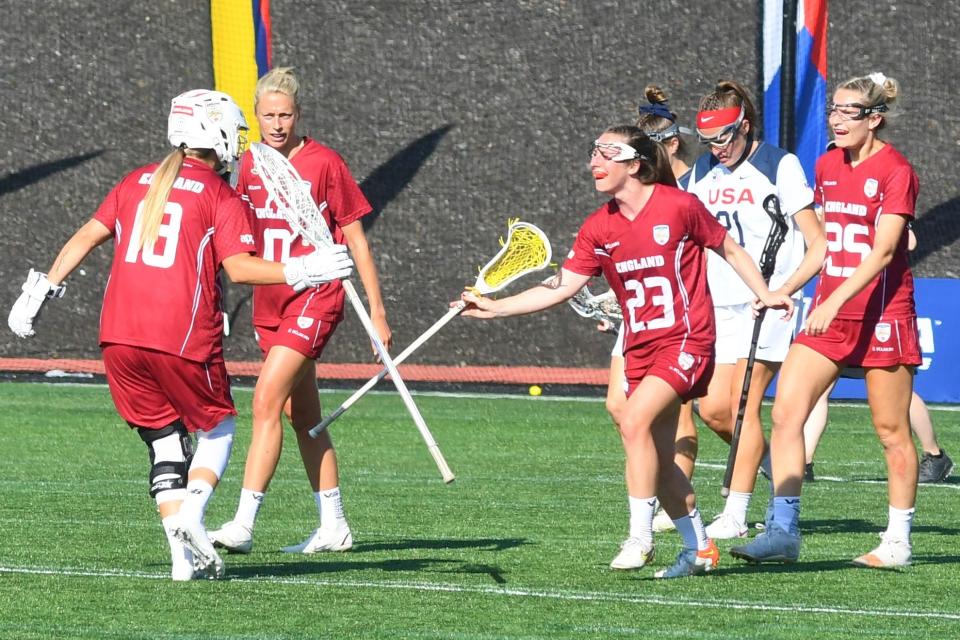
665 134
853 110
727 134
615 151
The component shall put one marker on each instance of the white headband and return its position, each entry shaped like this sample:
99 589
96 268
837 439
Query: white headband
878 78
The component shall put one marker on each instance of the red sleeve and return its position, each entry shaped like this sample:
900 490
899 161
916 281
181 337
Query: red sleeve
582 258
900 191
231 228
347 203
109 210
703 227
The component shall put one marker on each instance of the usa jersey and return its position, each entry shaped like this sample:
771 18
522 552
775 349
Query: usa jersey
736 198
853 199
340 201
656 267
166 296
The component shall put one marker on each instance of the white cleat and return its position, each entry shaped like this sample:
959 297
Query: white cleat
891 554
662 522
634 554
234 537
206 560
726 527
321 540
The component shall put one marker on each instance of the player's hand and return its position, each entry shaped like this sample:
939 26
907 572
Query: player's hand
35 291
775 300
323 265
818 321
477 306
383 332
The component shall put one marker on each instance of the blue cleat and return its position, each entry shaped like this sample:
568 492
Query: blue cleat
773 545
691 562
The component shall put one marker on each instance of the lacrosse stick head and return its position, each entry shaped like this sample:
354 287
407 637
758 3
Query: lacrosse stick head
771 204
289 193
526 249
604 307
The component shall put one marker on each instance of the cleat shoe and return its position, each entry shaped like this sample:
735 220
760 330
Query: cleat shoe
726 527
339 539
634 554
691 562
935 468
808 472
892 553
662 522
205 558
233 536
773 545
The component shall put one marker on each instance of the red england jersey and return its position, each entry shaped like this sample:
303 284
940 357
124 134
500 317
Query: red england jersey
656 266
853 199
166 296
340 201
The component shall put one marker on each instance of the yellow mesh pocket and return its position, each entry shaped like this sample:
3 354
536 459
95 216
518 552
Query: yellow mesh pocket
525 251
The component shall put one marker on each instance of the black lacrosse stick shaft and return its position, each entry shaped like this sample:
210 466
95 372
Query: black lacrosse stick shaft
768 261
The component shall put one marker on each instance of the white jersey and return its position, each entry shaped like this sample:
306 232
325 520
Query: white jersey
735 198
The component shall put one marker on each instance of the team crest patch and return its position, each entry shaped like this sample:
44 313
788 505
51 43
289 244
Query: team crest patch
661 233
870 187
304 323
882 331
685 360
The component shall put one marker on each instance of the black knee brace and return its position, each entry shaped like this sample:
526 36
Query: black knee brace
166 475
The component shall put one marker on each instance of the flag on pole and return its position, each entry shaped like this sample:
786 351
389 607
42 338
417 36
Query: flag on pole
240 30
806 117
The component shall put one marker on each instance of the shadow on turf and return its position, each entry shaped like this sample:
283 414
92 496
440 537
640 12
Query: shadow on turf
321 564
866 526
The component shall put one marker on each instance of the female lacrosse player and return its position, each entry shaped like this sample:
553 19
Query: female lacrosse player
174 224
863 315
660 124
648 242
293 327
732 180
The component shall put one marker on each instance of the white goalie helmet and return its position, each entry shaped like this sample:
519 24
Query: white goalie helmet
203 119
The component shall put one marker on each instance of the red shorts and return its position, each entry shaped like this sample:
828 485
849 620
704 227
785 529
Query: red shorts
152 388
301 333
854 343
689 374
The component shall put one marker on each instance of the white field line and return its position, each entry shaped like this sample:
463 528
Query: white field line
499 396
513 592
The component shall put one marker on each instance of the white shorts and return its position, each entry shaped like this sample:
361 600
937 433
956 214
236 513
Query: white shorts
617 351
735 332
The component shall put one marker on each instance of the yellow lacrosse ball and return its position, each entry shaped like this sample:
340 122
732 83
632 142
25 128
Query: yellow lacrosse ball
535 390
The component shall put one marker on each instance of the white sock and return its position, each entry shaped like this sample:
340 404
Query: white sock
330 507
736 505
899 523
195 503
250 502
786 513
692 531
180 557
641 517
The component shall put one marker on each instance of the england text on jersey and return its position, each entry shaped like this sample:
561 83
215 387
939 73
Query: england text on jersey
184 184
849 208
636 264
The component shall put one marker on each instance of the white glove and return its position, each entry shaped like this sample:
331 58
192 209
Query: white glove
323 265
36 290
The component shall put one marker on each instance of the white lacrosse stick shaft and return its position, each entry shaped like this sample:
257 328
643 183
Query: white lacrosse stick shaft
454 311
318 234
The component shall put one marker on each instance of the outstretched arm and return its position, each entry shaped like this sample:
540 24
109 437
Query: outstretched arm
536 298
367 269
78 247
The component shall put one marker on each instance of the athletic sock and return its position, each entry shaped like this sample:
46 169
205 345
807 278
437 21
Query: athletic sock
692 531
786 513
641 517
195 503
330 507
737 504
250 502
899 523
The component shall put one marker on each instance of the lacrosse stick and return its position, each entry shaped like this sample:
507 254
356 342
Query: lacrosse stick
604 308
294 202
768 259
527 249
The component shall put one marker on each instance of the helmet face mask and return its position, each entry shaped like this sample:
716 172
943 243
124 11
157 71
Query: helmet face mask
202 119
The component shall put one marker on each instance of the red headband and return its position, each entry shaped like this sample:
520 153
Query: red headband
718 118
